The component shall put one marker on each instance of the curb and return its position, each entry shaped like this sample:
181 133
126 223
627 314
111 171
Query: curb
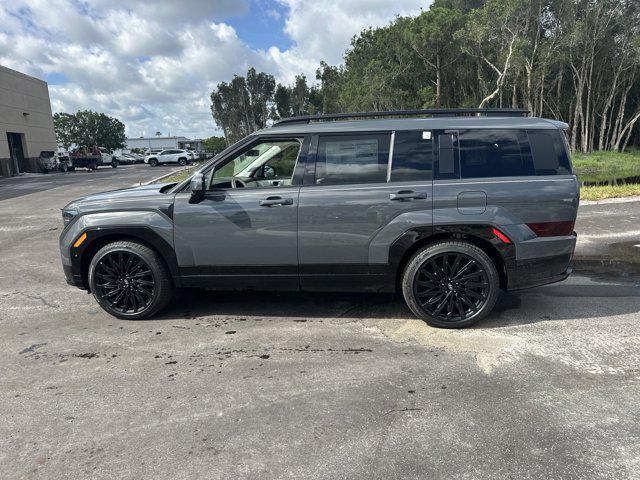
623 268
605 201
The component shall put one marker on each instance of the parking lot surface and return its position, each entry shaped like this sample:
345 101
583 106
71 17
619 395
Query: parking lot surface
267 385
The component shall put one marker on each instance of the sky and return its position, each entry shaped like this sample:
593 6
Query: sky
153 64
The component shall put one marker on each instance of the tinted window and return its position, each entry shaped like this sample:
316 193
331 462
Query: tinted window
352 159
412 156
493 153
549 152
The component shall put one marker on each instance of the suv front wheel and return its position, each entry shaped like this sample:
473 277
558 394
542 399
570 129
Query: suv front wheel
451 284
129 280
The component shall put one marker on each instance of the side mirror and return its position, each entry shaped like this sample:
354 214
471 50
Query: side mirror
197 186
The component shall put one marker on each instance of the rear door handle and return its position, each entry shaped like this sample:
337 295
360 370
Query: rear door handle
408 195
271 201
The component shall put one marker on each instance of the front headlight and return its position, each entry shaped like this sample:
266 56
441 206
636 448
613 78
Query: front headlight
68 215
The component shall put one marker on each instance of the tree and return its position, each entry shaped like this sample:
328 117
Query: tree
87 128
431 36
214 144
243 105
331 79
64 126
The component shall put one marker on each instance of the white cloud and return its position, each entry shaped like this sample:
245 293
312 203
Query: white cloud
153 65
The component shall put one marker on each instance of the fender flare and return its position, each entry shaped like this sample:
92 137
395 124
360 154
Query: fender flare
98 236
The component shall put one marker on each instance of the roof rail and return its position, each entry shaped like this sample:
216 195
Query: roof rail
433 112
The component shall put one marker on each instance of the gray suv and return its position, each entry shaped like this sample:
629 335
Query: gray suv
446 206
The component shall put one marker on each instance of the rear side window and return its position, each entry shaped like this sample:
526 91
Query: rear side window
346 159
549 152
493 153
412 156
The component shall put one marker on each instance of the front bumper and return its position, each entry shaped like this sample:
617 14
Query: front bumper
72 278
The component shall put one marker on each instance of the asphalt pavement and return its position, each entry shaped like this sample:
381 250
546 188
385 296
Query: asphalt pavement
268 385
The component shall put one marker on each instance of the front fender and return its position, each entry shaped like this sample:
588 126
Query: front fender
151 227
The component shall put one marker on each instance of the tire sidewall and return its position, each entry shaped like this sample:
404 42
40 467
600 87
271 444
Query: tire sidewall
153 162
413 266
150 262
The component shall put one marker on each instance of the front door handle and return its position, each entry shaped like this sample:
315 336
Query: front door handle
408 195
271 201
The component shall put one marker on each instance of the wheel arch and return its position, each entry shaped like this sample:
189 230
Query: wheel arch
501 254
99 237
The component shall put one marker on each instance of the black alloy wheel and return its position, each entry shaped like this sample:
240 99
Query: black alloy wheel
125 282
451 287
450 284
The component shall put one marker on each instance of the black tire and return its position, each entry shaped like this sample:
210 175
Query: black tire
130 280
433 277
94 166
64 167
182 161
153 162
114 164
72 169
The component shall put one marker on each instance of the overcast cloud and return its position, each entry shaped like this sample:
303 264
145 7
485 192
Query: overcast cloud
154 64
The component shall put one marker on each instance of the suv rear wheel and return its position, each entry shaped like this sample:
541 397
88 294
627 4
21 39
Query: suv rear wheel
129 280
153 162
450 284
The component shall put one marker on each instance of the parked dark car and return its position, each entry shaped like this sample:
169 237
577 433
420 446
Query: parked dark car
446 206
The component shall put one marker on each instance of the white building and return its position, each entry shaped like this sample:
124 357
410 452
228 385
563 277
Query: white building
160 143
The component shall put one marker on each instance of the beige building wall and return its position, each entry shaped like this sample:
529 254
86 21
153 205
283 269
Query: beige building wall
25 108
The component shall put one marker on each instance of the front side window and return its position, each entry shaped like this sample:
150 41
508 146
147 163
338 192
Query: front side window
269 163
345 159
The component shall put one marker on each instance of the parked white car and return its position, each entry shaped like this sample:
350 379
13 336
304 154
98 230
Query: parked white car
107 157
181 157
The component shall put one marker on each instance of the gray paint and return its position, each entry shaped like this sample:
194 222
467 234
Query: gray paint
231 228
337 224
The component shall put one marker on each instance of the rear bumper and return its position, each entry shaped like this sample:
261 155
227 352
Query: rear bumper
531 282
541 261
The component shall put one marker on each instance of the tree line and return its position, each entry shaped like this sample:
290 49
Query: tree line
574 60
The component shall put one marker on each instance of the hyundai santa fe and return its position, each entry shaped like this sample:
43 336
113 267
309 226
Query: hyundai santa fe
447 207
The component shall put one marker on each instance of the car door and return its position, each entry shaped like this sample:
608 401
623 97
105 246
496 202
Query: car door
165 156
243 236
352 205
